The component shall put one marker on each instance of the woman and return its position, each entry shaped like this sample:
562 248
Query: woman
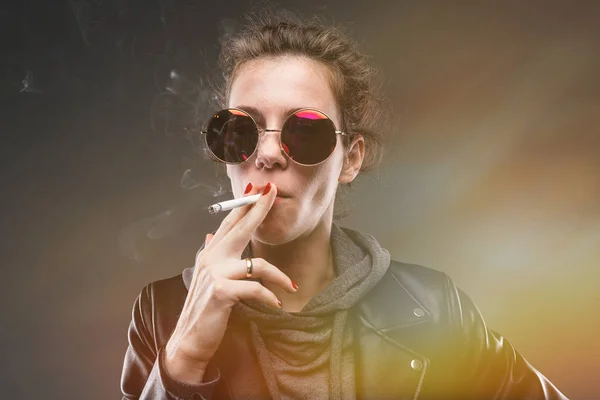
282 302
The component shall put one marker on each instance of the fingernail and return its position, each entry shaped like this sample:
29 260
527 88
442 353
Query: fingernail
248 188
267 188
279 303
294 285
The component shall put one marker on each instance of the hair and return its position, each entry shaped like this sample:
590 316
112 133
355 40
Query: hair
354 80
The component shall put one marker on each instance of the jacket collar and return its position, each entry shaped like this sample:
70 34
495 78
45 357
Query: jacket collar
391 322
391 305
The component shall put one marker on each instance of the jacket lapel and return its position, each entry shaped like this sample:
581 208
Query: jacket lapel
386 367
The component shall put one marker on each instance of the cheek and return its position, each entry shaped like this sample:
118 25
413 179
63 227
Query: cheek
235 175
335 165
326 181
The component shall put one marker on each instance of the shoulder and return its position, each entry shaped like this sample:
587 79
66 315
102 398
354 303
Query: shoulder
159 304
168 292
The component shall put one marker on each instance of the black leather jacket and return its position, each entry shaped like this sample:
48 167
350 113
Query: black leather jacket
419 338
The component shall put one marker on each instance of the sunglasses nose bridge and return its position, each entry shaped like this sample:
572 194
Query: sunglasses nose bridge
263 147
263 133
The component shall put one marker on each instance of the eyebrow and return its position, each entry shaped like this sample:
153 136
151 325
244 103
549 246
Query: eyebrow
260 118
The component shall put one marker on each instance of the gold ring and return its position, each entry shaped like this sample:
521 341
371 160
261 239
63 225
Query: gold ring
248 267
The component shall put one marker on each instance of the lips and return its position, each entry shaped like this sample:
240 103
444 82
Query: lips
280 193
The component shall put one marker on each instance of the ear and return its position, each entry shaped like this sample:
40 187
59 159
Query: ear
353 159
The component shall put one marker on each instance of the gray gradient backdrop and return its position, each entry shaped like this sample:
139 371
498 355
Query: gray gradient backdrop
492 176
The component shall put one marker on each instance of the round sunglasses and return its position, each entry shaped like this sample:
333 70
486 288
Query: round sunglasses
308 136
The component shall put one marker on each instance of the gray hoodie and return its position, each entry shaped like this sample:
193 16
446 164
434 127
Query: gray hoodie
309 354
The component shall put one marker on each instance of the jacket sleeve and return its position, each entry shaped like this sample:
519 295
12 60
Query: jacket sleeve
144 375
494 369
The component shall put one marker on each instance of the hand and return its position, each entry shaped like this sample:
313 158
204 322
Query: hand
217 285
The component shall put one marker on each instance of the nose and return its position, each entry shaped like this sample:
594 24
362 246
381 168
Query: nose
269 152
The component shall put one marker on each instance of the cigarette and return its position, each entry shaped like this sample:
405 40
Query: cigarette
235 203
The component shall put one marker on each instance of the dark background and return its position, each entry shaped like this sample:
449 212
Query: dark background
492 174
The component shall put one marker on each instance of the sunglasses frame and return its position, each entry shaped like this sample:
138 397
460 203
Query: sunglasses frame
259 129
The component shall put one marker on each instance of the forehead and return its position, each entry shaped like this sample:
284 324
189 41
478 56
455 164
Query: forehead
276 84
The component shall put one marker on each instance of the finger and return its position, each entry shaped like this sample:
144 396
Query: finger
231 220
261 269
207 240
241 234
251 290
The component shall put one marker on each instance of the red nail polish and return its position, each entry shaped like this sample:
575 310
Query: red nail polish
248 188
294 285
267 188
279 303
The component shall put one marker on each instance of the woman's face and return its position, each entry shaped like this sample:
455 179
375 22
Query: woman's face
268 88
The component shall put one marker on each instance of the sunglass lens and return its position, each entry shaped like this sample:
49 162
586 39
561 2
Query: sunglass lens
232 136
308 137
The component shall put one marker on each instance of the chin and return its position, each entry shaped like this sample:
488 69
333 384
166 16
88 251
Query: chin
273 232
270 235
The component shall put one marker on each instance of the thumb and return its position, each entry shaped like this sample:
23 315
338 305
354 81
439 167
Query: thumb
208 238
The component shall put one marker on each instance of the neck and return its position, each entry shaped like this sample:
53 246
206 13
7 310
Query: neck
307 260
